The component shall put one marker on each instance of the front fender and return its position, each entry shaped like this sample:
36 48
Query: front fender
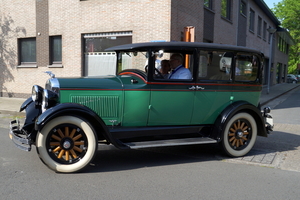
232 109
78 110
32 113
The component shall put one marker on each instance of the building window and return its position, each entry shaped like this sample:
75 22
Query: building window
27 51
282 45
265 31
208 4
259 24
252 20
226 9
243 8
97 60
55 50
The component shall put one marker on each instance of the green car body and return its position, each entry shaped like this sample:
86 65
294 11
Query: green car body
138 107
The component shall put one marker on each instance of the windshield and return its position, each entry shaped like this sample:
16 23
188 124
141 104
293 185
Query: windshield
132 60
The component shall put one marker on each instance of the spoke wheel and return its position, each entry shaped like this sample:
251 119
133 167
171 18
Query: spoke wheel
66 144
239 135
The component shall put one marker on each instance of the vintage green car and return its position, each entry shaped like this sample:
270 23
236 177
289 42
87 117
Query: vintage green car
146 104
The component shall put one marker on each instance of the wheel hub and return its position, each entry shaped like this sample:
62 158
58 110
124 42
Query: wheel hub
239 134
67 144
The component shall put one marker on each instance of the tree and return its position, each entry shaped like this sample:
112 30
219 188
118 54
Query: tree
288 13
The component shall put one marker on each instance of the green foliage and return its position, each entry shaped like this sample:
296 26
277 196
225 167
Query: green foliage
288 13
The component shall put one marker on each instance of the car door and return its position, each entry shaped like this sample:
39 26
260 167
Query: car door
171 103
213 90
172 100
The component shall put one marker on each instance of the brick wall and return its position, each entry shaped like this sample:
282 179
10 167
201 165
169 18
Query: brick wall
147 19
225 30
186 13
17 21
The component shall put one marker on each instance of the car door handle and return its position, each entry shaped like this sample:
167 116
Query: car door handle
199 88
192 88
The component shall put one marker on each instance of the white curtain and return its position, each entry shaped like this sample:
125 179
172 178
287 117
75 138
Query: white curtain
100 63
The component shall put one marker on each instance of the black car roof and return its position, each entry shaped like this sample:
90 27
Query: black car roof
181 46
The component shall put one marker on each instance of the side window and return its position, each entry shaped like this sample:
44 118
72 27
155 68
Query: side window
55 50
174 66
215 65
246 67
27 51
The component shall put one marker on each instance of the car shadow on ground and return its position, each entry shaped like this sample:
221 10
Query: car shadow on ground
111 159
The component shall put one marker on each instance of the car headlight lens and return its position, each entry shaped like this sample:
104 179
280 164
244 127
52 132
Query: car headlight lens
37 94
50 99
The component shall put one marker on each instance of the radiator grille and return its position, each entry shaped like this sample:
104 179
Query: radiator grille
104 106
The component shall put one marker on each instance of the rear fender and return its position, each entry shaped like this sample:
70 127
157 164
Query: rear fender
80 111
230 111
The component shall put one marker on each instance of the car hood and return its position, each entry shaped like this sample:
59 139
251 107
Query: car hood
96 82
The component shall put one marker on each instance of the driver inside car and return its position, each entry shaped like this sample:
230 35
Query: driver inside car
178 70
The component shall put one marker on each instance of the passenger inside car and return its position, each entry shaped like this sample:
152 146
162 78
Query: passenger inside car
165 68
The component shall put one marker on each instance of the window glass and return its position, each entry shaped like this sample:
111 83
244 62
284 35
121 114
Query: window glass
208 4
215 65
97 60
243 8
252 19
27 50
265 31
55 49
226 9
175 66
259 24
157 67
246 67
134 61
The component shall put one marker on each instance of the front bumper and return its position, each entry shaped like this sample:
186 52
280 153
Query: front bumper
269 124
20 138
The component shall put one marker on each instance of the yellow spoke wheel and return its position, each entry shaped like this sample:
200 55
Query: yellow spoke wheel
67 144
239 135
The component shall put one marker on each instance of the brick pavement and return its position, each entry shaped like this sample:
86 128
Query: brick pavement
281 150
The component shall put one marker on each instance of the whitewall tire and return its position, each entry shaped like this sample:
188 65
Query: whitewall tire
67 144
239 135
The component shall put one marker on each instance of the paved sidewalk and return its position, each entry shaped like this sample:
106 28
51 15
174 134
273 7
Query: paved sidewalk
13 104
276 91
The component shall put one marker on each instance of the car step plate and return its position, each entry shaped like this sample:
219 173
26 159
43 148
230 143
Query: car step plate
173 142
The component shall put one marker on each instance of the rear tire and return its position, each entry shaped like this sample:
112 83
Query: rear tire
67 144
239 135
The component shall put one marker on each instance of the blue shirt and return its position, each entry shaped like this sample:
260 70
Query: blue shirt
180 73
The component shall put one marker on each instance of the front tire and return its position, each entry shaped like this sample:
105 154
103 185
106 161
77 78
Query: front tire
239 135
67 144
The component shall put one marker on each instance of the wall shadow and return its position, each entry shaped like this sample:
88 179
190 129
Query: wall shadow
9 33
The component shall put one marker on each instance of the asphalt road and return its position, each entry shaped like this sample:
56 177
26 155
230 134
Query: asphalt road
184 172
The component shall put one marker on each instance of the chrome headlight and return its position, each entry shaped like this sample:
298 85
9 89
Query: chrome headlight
50 99
37 94
52 84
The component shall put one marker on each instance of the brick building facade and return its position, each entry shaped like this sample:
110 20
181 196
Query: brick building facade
64 36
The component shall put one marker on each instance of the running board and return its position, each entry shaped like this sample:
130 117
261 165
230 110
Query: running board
173 142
